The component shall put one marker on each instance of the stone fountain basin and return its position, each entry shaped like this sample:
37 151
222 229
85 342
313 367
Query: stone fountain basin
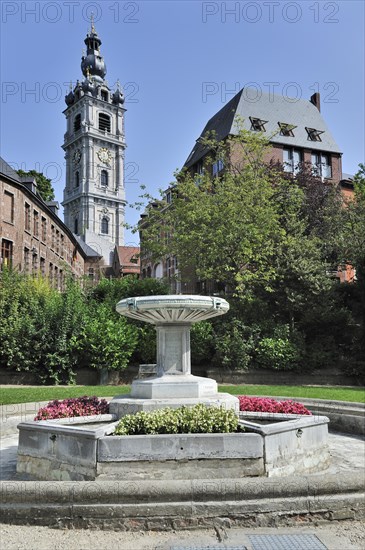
172 308
75 449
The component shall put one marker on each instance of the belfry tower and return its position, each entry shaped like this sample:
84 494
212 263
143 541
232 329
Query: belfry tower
94 144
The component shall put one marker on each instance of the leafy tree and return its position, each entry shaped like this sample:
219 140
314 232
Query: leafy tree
353 250
222 228
44 185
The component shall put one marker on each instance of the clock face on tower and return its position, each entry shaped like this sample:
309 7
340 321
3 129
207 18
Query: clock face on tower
77 156
104 155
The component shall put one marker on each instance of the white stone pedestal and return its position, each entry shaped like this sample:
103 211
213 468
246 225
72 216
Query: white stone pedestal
174 384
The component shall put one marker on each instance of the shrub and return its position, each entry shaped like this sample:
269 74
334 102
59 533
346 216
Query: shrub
265 404
234 345
79 406
202 343
197 419
281 351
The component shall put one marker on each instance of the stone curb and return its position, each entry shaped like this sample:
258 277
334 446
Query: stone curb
183 504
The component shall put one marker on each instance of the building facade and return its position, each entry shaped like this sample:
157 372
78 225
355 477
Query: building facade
298 134
33 238
94 145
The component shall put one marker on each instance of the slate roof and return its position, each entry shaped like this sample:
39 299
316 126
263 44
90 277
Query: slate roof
8 171
272 108
88 251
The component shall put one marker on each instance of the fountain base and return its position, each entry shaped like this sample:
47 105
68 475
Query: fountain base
126 404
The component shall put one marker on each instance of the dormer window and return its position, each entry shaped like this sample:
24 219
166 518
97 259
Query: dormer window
104 122
77 123
258 125
104 176
286 129
313 134
104 95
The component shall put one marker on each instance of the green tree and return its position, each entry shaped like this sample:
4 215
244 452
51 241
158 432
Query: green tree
353 251
223 228
44 185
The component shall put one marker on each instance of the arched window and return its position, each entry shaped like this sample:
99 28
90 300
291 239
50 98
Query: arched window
104 178
104 122
76 226
77 179
105 226
77 123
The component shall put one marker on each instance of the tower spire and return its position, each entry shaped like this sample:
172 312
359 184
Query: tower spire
93 61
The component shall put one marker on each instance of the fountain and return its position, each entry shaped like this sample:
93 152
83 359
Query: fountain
83 448
174 385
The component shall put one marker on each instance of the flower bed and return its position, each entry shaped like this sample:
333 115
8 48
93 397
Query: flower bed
78 406
184 420
265 404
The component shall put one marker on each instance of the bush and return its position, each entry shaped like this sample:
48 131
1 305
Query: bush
197 419
282 351
234 345
202 339
79 406
265 404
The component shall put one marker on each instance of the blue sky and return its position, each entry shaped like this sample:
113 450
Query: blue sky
179 63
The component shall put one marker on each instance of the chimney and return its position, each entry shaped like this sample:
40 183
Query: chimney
30 183
54 206
316 100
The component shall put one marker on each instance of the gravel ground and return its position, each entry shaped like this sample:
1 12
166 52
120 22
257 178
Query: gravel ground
336 536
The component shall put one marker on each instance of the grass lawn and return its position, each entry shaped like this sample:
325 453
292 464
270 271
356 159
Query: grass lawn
47 393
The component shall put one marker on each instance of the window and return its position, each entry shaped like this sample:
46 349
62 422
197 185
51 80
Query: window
258 125
104 176
6 253
8 207
104 95
43 267
292 159
105 225
44 229
34 262
91 273
76 226
77 179
62 249
27 216
104 122
314 135
77 123
321 165
57 241
286 129
52 236
36 223
26 260
218 167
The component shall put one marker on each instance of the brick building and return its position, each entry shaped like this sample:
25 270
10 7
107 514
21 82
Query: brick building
297 133
126 261
33 238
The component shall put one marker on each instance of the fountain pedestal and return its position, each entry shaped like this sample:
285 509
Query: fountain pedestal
174 384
